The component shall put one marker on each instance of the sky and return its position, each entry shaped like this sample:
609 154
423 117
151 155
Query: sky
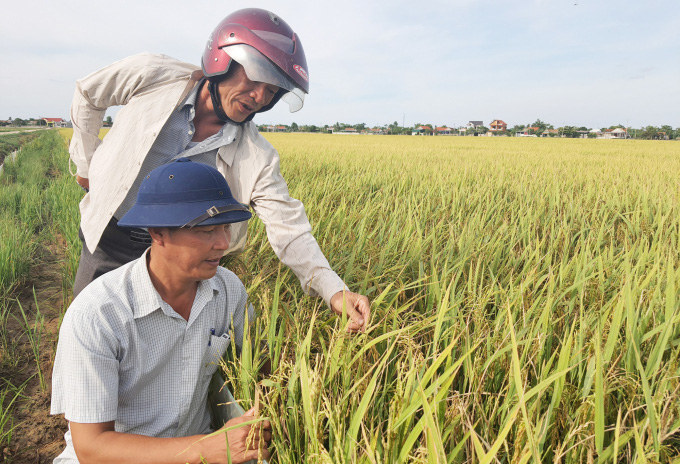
567 62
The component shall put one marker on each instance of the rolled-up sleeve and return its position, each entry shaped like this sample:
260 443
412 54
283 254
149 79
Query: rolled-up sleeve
112 85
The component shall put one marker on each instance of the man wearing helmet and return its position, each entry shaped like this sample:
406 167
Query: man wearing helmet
138 347
172 109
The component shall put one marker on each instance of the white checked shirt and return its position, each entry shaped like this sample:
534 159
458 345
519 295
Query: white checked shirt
125 355
151 87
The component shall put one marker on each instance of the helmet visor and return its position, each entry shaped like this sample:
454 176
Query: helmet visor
259 69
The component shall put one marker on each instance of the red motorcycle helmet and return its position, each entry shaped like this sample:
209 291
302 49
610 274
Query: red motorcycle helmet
266 47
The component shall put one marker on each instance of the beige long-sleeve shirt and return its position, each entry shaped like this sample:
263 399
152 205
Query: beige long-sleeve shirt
150 87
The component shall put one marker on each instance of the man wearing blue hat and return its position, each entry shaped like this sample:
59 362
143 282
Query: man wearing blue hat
138 347
253 59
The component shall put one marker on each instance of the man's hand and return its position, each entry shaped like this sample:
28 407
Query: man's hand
83 182
250 441
357 307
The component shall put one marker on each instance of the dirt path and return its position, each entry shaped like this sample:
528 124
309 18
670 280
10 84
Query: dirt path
19 131
37 437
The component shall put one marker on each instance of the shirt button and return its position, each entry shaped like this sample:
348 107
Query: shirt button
191 132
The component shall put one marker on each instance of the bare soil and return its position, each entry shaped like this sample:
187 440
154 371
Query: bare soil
38 437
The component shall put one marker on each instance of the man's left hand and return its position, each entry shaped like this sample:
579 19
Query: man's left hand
357 306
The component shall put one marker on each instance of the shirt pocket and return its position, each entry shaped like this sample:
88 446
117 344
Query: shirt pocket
214 351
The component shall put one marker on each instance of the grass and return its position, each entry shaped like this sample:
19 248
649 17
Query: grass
32 212
524 298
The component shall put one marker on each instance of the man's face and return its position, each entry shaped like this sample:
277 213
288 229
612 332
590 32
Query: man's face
195 253
241 97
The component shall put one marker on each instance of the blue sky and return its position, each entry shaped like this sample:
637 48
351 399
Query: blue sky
575 62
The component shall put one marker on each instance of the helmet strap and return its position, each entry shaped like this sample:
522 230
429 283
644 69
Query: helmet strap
217 104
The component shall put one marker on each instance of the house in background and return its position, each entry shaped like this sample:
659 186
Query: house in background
527 132
550 133
615 133
474 125
421 130
498 126
347 130
444 131
55 122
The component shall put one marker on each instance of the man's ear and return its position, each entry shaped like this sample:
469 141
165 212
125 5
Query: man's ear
158 234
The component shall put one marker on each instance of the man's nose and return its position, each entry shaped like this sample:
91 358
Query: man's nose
259 93
223 239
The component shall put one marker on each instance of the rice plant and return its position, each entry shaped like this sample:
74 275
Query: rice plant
524 298
524 303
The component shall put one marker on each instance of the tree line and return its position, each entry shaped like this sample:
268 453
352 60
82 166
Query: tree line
538 128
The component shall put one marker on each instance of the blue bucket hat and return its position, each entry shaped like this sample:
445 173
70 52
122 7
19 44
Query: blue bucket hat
184 194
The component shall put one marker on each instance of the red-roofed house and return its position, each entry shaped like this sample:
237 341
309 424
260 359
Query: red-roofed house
422 130
498 126
444 131
55 122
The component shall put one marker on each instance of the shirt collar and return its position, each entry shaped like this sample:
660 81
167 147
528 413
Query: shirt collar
227 134
190 101
146 299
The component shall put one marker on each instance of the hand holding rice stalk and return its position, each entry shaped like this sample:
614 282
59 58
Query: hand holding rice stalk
247 435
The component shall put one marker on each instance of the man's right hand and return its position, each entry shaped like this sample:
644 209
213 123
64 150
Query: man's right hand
83 182
245 443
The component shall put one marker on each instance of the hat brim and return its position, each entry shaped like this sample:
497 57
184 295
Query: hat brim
180 214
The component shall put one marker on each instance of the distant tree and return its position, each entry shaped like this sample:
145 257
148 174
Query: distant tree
540 124
18 122
516 128
41 122
669 131
294 127
361 126
569 131
482 129
394 128
650 133
109 121
592 135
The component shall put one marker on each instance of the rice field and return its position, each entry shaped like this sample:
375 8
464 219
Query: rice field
524 302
